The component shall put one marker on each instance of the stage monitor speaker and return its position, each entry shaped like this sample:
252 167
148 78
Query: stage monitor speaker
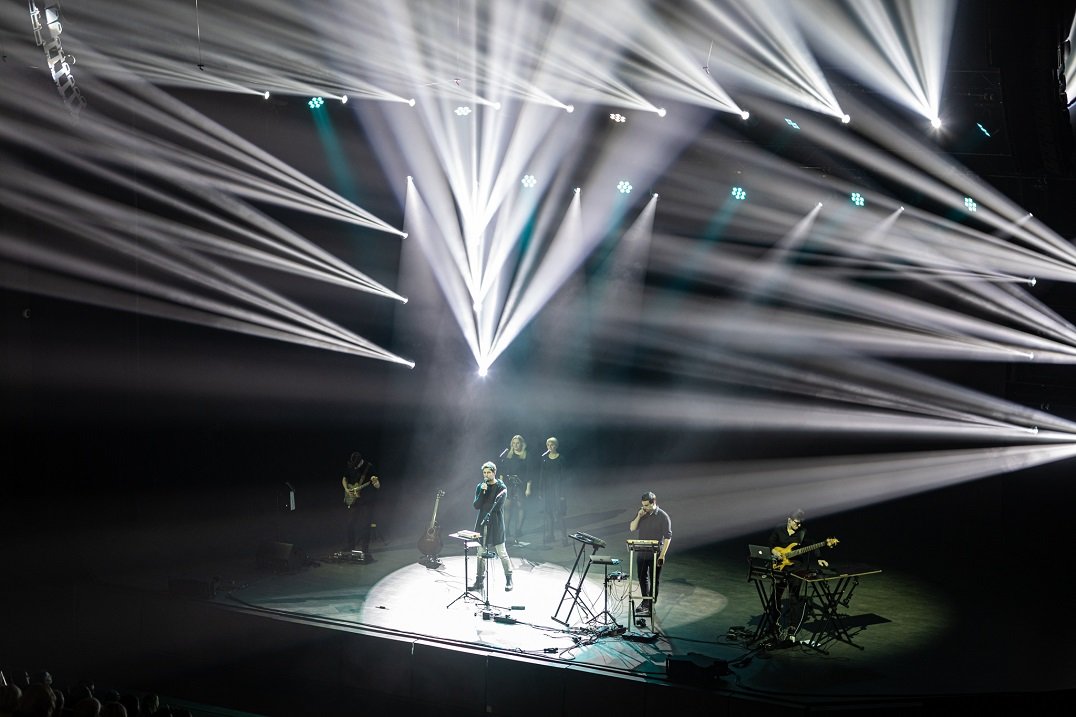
695 669
278 557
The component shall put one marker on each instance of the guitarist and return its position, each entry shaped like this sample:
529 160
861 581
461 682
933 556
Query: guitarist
792 531
359 508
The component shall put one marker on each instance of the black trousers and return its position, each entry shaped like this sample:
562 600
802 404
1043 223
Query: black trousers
359 517
793 615
644 563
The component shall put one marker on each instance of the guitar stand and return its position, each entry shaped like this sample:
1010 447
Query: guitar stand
431 562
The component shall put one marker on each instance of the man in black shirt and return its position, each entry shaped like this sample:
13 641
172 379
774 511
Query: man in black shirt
783 537
792 531
360 515
652 523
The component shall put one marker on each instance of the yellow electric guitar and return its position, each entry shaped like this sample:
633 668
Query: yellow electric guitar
352 491
782 557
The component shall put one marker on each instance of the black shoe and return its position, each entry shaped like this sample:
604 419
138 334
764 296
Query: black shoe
508 584
477 587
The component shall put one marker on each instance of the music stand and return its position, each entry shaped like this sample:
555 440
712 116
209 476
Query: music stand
467 537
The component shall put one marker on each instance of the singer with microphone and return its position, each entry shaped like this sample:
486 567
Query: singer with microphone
489 498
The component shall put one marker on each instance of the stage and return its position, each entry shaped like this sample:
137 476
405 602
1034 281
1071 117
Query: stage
179 604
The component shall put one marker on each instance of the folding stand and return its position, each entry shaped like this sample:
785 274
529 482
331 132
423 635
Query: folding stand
765 580
574 590
827 593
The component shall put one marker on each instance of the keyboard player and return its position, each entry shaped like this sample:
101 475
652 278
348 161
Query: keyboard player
651 523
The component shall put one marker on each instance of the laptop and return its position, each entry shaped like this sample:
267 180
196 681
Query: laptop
759 552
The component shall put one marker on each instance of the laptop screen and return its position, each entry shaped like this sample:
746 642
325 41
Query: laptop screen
759 552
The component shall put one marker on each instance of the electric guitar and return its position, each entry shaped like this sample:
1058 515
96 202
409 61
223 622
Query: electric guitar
782 556
353 490
431 543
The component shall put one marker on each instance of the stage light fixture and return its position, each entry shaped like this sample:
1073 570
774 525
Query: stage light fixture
936 123
624 186
970 204
739 193
315 102
483 370
617 117
528 181
745 115
845 118
343 100
858 199
791 124
1032 281
463 111
496 105
411 102
576 190
661 111
569 109
265 95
